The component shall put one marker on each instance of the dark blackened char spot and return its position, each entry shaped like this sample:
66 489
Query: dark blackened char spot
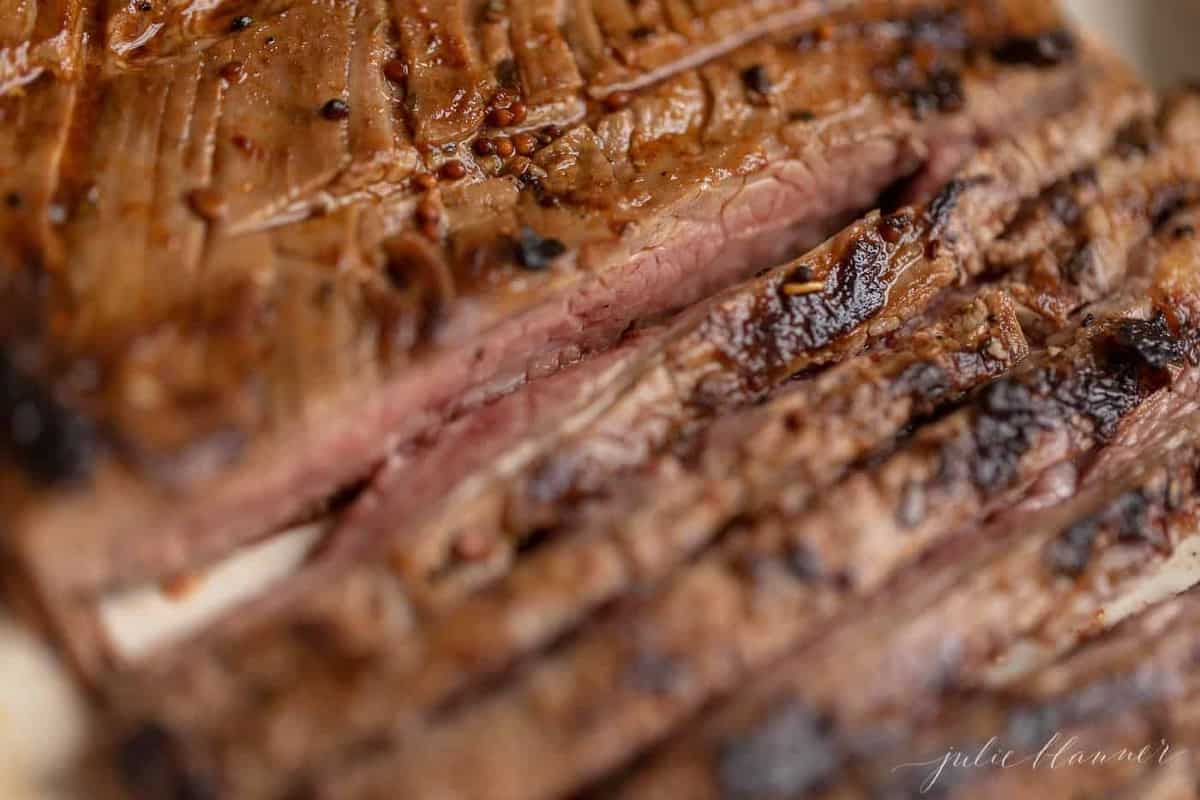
941 92
854 293
1043 50
892 227
1070 552
769 333
537 252
943 205
1104 395
1130 514
1152 340
45 438
1010 412
790 753
151 765
927 382
1002 432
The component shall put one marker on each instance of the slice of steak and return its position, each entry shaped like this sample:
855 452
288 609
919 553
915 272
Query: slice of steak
986 611
677 395
417 675
619 687
240 357
1083 262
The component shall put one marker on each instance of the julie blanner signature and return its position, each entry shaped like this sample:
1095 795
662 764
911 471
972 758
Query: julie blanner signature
1058 752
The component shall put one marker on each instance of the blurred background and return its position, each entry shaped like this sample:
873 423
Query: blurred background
1162 36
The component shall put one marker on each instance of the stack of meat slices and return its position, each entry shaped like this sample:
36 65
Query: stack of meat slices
625 498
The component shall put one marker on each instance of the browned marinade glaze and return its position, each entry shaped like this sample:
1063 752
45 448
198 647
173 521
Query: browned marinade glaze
629 492
247 244
465 645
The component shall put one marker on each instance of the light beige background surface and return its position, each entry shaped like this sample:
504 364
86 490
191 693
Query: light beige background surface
1162 36
41 719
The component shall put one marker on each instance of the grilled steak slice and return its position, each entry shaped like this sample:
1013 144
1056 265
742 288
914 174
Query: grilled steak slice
236 357
987 611
561 585
620 686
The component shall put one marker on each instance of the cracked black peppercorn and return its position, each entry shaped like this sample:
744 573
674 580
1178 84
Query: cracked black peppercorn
240 23
335 110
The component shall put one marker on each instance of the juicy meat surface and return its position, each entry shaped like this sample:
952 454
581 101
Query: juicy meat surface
728 399
254 248
744 545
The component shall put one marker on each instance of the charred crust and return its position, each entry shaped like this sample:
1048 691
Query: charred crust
1151 341
1002 432
892 226
943 205
791 752
1069 553
855 291
796 318
927 382
1009 413
1047 49
1131 515
51 442
942 93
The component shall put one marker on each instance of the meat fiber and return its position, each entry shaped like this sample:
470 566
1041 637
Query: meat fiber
434 682
252 262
